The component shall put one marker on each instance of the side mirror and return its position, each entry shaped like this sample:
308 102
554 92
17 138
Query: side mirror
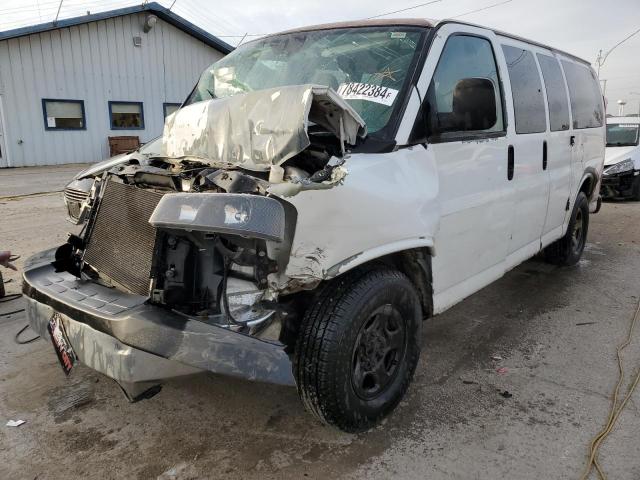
474 104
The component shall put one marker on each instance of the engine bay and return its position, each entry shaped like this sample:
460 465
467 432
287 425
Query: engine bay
216 276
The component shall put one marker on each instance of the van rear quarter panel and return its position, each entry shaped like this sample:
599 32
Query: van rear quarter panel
589 147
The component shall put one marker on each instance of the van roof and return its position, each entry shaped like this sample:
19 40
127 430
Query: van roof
623 120
419 22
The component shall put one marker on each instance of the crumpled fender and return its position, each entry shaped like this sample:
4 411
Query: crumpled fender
387 203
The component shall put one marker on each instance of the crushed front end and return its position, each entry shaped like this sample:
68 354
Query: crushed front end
620 181
179 267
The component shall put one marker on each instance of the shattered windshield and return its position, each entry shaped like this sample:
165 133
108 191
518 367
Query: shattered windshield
622 135
366 66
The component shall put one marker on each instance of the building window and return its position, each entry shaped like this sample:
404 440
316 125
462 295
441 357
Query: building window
63 114
126 115
169 108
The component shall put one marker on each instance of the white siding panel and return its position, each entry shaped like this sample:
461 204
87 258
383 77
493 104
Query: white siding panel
97 63
17 111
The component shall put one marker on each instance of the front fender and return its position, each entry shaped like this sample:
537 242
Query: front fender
387 203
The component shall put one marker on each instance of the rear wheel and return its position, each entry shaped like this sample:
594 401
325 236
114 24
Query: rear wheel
358 348
568 250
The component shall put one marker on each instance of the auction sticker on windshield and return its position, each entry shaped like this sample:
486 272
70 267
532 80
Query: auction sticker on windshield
366 91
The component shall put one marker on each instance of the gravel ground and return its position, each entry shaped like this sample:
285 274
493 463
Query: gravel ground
555 331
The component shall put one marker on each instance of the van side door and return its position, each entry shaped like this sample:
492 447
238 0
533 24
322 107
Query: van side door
559 147
463 111
527 136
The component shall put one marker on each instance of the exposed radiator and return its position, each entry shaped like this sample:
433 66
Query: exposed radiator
121 241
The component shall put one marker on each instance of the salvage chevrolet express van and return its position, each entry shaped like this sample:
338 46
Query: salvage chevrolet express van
621 176
318 194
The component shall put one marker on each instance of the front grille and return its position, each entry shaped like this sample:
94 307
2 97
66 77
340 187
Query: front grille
74 209
121 241
74 195
74 199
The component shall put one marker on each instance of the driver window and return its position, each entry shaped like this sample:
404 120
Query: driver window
464 94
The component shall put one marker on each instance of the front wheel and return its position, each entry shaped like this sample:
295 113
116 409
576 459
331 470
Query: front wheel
358 348
568 250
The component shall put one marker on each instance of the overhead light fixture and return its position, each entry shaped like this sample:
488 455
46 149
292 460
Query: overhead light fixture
149 22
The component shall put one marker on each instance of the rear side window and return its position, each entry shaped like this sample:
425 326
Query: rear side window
556 93
526 88
584 92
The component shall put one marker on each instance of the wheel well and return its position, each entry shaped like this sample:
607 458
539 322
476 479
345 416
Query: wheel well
415 263
587 186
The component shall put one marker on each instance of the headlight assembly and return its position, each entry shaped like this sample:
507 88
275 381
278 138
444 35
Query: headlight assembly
238 214
623 166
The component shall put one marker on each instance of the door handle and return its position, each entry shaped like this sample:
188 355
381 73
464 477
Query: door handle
572 140
510 158
544 155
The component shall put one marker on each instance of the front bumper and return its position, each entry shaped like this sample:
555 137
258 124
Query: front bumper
138 344
620 185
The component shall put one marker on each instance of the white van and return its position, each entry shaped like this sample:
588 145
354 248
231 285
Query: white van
621 176
320 193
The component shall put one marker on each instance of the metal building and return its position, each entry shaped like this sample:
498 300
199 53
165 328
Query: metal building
65 88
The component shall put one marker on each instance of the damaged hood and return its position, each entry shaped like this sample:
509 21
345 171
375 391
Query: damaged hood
613 155
149 149
256 130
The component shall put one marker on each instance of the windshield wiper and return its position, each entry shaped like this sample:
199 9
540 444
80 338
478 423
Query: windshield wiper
213 95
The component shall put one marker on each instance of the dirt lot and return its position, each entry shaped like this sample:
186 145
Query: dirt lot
555 329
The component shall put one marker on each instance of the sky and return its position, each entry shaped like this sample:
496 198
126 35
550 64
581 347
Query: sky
580 27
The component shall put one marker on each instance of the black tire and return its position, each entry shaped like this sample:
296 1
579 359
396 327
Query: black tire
568 250
636 190
343 333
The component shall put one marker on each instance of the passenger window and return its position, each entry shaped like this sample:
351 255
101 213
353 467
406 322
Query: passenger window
464 95
584 92
556 93
526 89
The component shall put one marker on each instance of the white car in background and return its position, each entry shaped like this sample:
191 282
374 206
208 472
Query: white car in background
621 177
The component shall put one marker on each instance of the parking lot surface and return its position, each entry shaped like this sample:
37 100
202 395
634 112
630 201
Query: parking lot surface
513 383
